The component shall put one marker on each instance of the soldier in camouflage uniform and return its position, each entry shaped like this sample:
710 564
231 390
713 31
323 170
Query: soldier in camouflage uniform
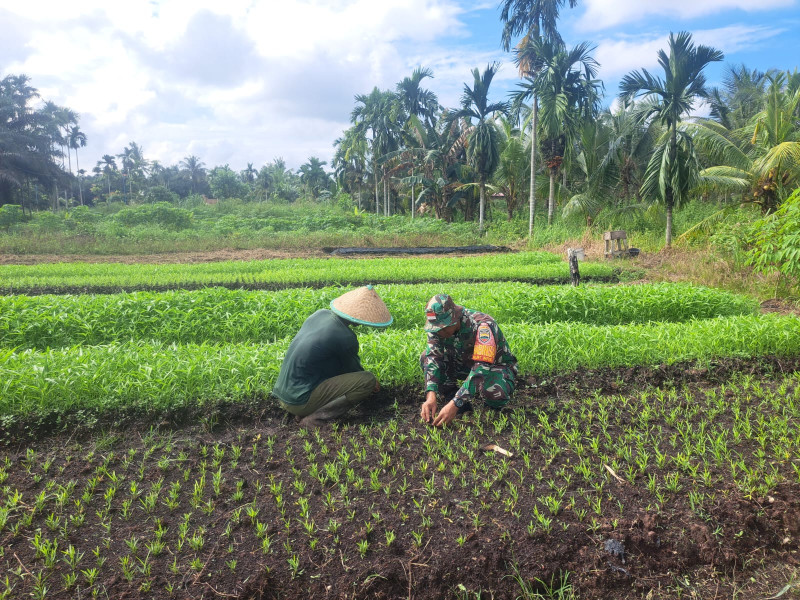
463 344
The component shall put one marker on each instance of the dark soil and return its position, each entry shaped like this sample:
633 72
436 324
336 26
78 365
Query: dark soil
633 550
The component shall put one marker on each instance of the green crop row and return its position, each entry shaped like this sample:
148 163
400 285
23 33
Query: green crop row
105 277
147 376
219 315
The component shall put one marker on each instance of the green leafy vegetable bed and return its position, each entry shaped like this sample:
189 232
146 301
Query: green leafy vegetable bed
235 316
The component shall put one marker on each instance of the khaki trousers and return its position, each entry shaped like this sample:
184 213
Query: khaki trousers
356 387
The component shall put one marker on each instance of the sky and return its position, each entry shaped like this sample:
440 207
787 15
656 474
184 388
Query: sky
248 81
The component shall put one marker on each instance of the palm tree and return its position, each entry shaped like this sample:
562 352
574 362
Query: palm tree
378 113
350 161
109 166
569 95
511 174
77 139
416 102
249 174
314 177
614 151
761 159
483 151
265 180
195 167
28 139
741 97
440 151
669 100
535 20
532 18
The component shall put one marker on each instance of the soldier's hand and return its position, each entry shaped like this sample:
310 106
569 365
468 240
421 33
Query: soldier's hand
377 388
428 410
448 413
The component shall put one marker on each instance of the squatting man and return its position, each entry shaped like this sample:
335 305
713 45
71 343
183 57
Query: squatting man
321 377
463 344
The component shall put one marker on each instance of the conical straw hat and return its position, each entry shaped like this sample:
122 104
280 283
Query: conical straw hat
364 306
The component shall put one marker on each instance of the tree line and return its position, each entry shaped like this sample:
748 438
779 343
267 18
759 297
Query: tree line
550 138
407 153
39 140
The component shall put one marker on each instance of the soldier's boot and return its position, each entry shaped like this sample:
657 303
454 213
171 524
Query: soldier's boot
332 410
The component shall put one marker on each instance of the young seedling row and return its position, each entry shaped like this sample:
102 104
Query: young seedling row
671 474
148 377
236 316
113 277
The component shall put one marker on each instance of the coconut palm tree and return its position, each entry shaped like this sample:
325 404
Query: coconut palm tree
762 159
249 174
614 151
512 172
416 103
534 20
196 169
350 161
668 100
77 139
483 150
741 96
379 114
314 177
108 164
569 95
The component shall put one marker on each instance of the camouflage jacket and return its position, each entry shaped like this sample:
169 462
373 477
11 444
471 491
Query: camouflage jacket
477 345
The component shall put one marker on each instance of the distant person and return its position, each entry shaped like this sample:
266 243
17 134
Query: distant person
321 377
466 345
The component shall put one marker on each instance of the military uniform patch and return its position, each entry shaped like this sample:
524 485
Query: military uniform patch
485 345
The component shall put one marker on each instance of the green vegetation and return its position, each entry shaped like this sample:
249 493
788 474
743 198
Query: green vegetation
151 376
105 277
159 504
220 315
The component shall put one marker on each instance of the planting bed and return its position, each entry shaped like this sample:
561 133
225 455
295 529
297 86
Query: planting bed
654 433
535 267
705 492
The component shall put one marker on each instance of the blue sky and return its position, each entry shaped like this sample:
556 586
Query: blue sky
250 80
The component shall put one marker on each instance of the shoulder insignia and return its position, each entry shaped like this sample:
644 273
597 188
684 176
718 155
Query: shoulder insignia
485 345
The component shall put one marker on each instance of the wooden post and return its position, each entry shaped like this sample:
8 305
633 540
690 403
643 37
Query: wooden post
574 273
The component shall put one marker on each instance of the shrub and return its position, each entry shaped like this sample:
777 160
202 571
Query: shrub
10 214
775 240
160 194
160 213
81 220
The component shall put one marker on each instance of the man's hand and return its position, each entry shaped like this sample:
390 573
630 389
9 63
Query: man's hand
429 407
377 388
446 415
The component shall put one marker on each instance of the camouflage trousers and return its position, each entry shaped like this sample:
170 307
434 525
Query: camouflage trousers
493 383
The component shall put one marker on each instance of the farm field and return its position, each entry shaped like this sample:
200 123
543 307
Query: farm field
654 439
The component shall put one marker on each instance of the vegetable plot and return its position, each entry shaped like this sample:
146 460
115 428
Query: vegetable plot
539 267
147 376
649 486
220 315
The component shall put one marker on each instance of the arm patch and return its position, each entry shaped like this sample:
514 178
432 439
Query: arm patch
485 345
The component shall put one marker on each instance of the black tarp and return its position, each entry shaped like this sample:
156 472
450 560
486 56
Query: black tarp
431 250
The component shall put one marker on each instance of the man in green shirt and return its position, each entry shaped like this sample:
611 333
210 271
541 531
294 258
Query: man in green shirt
321 377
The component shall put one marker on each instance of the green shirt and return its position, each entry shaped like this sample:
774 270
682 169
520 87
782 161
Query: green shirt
324 347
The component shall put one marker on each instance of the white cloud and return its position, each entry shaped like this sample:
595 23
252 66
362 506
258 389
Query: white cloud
235 81
602 14
618 56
